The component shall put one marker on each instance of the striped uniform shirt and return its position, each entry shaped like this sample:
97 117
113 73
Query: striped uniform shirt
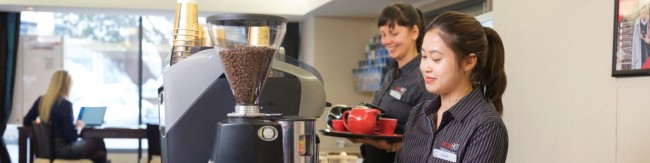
470 131
401 90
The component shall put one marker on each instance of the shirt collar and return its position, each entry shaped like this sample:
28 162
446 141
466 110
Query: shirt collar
412 65
462 108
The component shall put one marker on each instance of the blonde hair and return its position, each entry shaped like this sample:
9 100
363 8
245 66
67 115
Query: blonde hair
59 88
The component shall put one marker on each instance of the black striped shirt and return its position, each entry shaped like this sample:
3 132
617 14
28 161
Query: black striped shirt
470 131
401 90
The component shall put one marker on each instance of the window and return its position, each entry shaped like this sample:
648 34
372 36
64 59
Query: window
102 54
156 45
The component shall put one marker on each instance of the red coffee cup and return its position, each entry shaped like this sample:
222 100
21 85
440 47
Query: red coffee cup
337 125
387 126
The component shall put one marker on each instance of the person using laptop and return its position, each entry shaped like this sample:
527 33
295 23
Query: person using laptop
55 109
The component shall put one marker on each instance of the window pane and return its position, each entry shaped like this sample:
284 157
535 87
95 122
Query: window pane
156 47
101 54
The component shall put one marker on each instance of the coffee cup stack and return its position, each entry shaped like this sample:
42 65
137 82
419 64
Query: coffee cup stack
186 33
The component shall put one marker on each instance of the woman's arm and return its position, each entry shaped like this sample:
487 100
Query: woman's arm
28 120
488 144
380 144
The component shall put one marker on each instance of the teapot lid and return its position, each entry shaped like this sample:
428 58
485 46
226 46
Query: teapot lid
362 107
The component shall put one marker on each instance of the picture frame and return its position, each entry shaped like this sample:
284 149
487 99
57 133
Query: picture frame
631 50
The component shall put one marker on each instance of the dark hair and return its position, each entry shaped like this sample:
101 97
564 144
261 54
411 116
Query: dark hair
465 35
404 15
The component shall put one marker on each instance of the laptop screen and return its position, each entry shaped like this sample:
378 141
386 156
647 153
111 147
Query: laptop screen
92 116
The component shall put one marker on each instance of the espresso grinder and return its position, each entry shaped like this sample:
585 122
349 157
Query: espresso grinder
219 105
247 45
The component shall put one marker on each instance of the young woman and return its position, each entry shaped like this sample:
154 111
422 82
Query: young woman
463 63
55 109
400 26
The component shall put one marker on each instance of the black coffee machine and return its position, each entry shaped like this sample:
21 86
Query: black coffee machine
270 123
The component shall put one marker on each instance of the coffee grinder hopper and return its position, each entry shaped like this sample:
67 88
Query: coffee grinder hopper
247 44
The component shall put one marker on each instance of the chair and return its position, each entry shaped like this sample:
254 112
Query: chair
153 139
43 143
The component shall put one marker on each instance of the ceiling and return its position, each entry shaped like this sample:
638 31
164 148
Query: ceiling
295 10
360 8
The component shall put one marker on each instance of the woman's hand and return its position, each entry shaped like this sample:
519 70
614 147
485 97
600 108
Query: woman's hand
80 124
380 144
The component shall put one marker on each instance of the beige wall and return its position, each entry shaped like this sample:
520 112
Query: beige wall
333 46
633 129
561 104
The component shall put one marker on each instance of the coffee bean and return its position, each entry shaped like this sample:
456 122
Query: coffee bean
246 70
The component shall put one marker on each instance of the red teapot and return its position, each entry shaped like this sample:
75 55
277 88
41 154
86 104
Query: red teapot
361 120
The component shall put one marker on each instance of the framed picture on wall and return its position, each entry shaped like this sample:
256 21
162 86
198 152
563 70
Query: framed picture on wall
631 50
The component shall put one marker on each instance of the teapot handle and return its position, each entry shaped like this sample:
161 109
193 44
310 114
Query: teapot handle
379 114
345 119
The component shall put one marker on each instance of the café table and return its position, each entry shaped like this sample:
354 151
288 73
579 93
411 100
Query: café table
137 132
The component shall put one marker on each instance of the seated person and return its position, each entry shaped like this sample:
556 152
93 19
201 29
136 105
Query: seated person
55 109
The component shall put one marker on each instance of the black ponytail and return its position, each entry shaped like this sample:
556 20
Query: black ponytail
493 73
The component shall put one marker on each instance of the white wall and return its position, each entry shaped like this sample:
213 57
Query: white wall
561 103
333 46
633 129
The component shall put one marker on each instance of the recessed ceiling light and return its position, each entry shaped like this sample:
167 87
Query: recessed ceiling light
30 8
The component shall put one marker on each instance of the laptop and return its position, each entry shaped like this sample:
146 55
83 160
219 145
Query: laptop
92 116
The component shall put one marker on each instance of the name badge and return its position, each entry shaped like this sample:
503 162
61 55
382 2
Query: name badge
444 155
396 94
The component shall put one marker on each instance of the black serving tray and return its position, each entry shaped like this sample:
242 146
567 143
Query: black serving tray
329 132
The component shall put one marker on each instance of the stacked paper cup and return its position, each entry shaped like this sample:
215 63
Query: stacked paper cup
205 41
185 37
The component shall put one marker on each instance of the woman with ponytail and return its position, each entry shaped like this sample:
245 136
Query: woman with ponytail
55 109
402 28
462 61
